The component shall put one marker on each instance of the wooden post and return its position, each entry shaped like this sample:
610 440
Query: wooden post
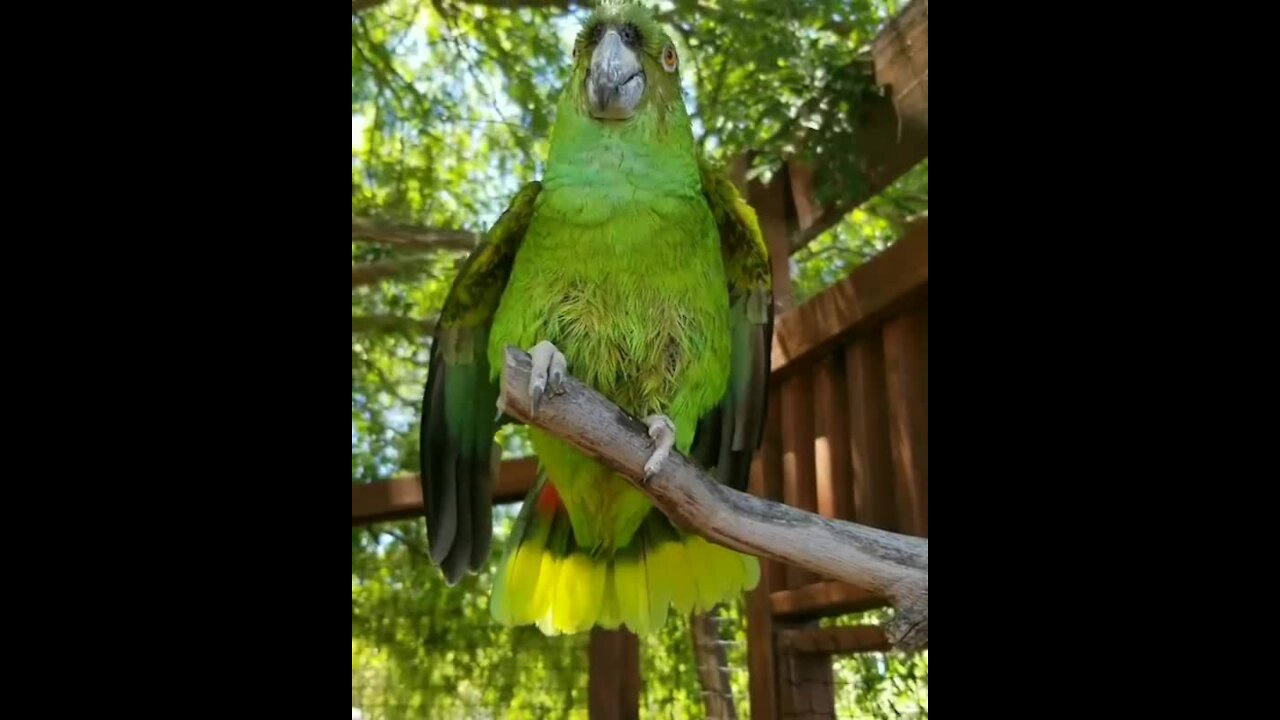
613 686
775 213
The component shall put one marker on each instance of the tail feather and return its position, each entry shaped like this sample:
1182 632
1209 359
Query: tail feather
547 579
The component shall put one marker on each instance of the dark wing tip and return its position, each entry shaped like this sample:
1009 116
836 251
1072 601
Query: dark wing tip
437 464
459 464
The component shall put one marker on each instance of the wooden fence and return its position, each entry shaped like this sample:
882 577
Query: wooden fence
848 438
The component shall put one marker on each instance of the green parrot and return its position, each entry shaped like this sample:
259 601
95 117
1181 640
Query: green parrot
635 266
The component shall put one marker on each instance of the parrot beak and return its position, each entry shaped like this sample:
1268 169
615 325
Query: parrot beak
615 82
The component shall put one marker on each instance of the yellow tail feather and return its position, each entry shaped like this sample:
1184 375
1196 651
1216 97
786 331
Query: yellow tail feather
546 580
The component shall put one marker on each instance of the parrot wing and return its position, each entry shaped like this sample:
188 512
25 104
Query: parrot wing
459 458
728 436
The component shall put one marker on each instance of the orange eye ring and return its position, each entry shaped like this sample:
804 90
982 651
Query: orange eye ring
669 59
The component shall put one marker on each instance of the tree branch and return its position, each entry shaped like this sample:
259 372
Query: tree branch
370 273
557 4
360 5
412 546
364 324
412 236
895 566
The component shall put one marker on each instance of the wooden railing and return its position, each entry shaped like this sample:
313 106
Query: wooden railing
848 438
400 498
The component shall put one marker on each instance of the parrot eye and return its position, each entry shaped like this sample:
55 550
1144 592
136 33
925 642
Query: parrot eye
669 59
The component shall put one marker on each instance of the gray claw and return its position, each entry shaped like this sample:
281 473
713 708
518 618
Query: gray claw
663 434
548 364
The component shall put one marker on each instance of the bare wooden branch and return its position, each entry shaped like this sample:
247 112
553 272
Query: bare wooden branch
412 237
893 565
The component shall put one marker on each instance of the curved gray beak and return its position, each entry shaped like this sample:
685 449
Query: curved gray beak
615 82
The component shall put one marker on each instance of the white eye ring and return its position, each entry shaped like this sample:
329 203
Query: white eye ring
669 59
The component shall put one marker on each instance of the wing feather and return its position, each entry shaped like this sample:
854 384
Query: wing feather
459 402
728 436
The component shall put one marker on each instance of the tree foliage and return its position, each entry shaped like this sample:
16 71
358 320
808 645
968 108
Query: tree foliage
451 104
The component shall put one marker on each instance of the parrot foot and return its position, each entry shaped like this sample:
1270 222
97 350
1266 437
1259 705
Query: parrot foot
549 370
663 432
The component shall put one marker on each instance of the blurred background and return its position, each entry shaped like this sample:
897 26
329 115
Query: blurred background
451 106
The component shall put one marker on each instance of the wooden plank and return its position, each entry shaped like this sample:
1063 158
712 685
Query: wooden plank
906 344
515 480
824 599
613 685
799 488
766 476
834 640
887 283
871 450
400 497
832 466
901 55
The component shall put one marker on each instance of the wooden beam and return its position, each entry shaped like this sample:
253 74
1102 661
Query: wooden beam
870 441
798 487
906 351
771 203
891 132
831 452
824 599
869 293
834 640
901 54
400 497
515 480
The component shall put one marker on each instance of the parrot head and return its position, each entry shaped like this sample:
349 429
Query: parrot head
625 67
